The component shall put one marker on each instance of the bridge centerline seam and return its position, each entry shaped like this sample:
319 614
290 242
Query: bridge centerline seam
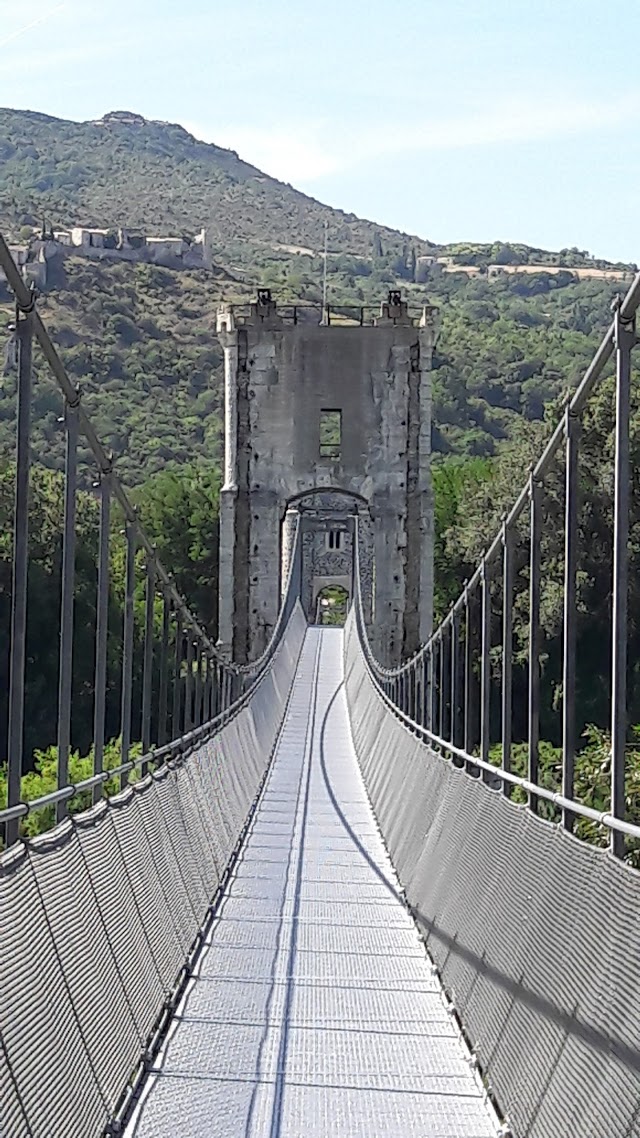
276 1117
281 926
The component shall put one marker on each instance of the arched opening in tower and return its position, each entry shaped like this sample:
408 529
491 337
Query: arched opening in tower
332 605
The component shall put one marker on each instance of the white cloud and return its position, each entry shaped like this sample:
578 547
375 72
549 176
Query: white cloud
286 154
311 150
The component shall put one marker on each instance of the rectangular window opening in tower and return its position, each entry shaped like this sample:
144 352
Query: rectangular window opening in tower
334 539
330 433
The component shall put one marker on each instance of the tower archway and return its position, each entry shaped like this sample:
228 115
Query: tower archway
332 602
326 517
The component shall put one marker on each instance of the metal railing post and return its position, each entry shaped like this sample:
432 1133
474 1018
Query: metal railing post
65 673
534 633
485 666
441 675
624 335
430 689
208 690
454 733
176 729
468 674
414 693
215 695
507 651
102 628
127 649
570 614
164 665
17 658
188 687
197 711
147 666
221 680
423 690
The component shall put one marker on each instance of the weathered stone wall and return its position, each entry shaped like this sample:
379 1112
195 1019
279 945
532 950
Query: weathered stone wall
279 378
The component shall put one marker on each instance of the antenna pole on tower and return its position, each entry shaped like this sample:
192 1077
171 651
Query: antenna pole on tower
324 276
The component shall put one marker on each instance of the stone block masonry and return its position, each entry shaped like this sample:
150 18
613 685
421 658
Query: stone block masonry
286 385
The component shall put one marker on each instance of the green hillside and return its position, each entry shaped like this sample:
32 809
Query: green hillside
157 176
140 341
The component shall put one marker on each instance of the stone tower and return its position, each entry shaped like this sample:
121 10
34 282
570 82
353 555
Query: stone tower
326 420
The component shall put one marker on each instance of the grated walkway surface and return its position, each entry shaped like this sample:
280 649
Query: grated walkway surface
314 1011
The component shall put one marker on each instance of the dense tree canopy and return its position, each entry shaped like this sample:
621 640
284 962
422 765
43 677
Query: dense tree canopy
179 510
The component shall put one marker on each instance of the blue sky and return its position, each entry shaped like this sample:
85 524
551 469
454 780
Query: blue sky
453 119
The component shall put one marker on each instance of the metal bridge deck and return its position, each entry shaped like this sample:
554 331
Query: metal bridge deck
314 1010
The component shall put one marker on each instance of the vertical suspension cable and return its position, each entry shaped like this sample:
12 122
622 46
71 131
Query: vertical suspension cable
507 650
197 716
127 650
468 674
570 613
485 666
176 726
430 688
65 674
17 656
147 666
102 628
535 536
188 687
455 653
164 673
624 334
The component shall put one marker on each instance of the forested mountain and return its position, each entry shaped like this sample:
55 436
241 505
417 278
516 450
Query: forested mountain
125 170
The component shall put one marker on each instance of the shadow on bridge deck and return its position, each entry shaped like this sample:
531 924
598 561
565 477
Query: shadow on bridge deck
313 1010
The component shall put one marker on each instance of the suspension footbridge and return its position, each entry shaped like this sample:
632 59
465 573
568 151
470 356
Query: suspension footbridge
322 898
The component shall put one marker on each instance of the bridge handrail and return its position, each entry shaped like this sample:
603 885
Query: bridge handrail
235 683
156 860
471 762
156 756
420 694
600 817
211 684
25 300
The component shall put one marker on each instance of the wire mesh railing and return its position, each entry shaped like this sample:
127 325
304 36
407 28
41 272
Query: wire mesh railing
186 688
457 691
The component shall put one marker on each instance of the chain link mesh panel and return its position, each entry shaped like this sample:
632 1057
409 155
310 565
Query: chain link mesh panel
536 934
98 916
